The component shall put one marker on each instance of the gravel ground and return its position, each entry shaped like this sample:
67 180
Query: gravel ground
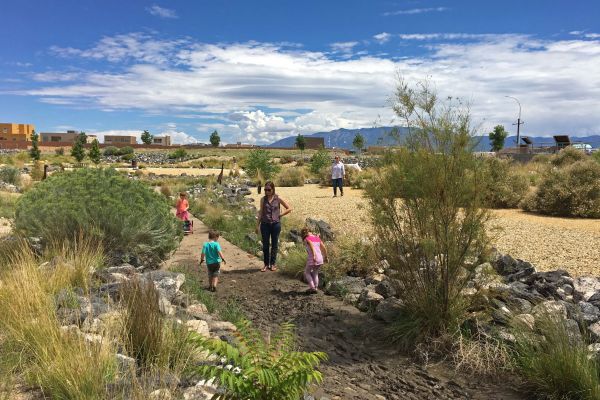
547 242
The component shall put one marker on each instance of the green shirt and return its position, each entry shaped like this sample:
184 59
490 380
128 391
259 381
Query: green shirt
211 252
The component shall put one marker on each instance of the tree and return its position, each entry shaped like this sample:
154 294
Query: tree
35 150
259 162
301 144
94 153
358 142
215 139
497 137
426 204
77 149
320 160
147 138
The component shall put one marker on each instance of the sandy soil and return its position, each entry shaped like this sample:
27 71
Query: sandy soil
362 365
547 242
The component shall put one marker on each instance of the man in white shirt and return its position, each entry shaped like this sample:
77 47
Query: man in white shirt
338 173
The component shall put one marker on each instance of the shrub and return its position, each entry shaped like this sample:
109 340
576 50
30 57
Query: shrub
351 256
320 160
178 154
111 151
356 179
506 186
126 150
572 191
8 204
425 205
165 190
37 171
126 216
555 366
59 151
293 264
290 177
567 156
262 368
259 163
10 174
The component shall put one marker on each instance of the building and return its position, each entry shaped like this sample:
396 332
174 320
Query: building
313 142
16 132
63 137
115 139
164 140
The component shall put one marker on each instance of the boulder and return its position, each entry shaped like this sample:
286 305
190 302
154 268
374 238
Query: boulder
71 308
368 300
126 365
585 286
550 308
165 306
322 228
166 282
525 320
595 299
345 285
197 310
594 331
594 351
485 276
388 309
160 394
589 312
572 328
221 326
374 279
124 269
386 288
197 393
198 326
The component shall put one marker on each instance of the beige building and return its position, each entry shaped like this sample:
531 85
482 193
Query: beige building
63 137
16 132
114 139
164 140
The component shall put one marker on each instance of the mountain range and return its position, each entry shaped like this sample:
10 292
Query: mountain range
342 138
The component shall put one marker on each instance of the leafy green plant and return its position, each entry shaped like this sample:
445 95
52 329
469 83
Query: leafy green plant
555 366
259 161
126 216
426 207
178 154
571 191
263 369
111 151
320 160
10 174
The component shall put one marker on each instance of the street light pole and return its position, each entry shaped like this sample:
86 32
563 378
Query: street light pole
519 123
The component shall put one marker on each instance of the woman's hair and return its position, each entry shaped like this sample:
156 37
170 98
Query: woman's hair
271 184
304 232
213 235
183 194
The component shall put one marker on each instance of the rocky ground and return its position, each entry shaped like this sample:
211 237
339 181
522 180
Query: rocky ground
362 364
547 242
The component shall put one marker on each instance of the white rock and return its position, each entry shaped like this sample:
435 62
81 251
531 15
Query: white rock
222 326
161 394
550 308
526 320
586 286
198 326
197 310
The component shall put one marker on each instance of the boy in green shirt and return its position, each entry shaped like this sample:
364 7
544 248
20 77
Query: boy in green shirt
212 252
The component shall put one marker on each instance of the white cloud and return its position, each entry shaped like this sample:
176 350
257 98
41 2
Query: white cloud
414 11
343 47
557 82
382 37
161 12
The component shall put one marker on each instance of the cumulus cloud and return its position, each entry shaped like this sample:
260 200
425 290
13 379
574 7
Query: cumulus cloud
382 37
162 12
254 91
343 47
414 11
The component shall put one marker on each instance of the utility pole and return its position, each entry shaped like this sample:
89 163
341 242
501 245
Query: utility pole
519 123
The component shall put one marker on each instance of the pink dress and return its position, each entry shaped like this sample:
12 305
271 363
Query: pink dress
182 210
313 247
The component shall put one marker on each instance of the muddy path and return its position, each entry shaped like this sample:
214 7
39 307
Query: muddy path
362 364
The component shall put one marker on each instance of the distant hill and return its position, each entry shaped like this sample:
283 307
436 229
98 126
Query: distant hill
342 138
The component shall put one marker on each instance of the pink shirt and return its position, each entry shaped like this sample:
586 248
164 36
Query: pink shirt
313 247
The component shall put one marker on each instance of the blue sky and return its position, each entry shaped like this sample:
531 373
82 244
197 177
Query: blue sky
260 71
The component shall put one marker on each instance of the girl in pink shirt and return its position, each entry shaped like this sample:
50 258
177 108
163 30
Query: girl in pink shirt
317 255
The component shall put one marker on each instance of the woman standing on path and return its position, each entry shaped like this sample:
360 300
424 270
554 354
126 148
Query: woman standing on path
338 173
269 223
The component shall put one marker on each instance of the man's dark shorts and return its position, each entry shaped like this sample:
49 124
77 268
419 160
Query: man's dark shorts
213 269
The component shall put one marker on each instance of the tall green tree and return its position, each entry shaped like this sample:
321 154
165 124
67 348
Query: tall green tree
94 153
35 152
358 142
301 144
147 137
77 150
260 163
215 139
497 137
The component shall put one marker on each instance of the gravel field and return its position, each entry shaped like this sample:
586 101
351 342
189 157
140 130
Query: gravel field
547 242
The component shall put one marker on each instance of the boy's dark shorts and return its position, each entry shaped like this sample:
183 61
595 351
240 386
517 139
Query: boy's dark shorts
213 269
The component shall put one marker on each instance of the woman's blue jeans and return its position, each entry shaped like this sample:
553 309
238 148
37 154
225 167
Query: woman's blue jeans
270 241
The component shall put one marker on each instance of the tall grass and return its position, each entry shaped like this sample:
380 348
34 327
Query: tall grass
554 366
33 346
293 264
8 204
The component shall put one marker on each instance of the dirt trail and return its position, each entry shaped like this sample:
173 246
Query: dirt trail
361 364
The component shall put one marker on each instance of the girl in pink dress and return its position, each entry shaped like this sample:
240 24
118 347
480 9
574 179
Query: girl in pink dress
182 207
317 255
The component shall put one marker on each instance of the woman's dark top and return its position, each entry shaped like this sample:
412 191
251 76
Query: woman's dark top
270 210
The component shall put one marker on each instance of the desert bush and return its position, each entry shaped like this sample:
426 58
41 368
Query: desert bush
596 156
59 151
294 262
126 216
290 177
488 358
178 154
554 366
320 160
259 163
165 190
300 162
571 191
286 159
126 150
425 205
262 368
37 171
8 204
506 185
567 156
111 151
10 174
351 256
34 348
357 179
